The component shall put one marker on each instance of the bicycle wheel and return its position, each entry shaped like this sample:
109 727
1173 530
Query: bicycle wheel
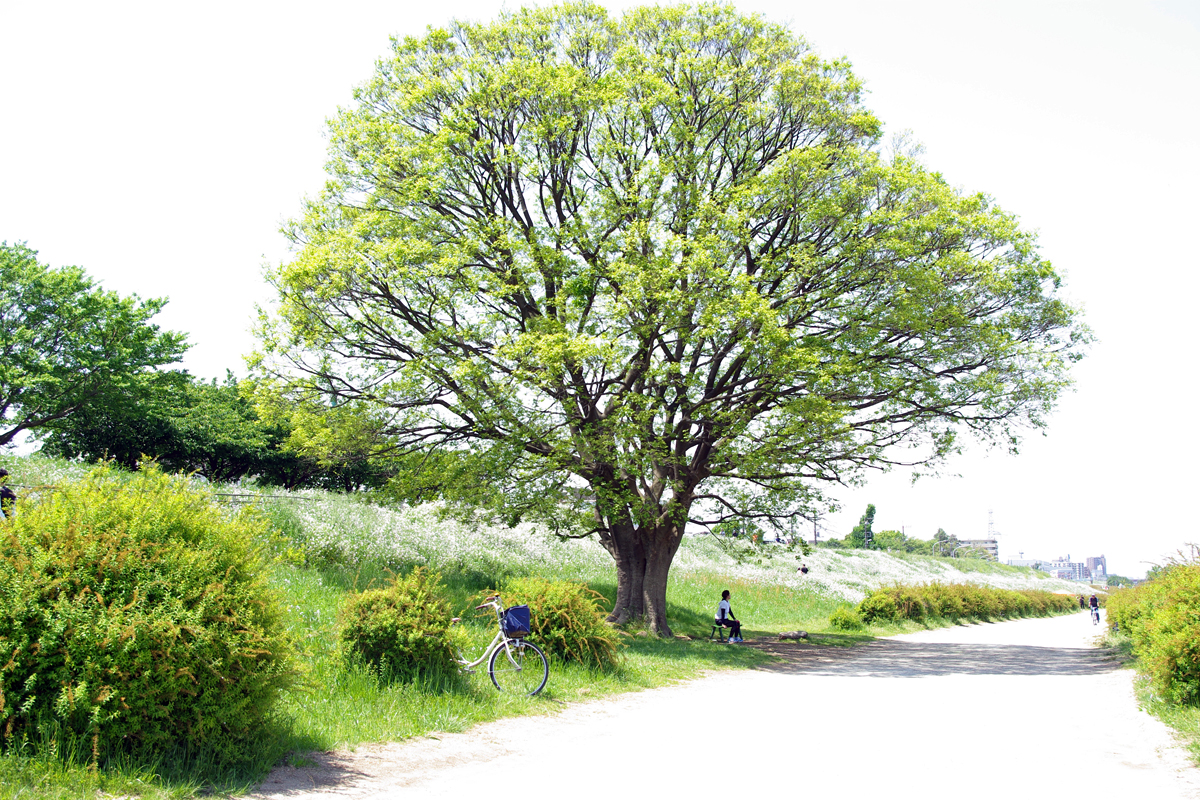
521 668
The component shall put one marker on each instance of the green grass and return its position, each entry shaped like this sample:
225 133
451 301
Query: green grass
329 546
346 707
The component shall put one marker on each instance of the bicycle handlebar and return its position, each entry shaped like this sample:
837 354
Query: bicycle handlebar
491 601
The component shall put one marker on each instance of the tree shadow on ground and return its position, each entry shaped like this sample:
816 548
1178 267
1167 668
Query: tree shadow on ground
889 658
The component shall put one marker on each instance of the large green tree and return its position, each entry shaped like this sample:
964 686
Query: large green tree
66 342
655 271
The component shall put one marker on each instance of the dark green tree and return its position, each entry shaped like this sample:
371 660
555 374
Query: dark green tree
654 271
210 428
893 540
943 544
862 536
65 343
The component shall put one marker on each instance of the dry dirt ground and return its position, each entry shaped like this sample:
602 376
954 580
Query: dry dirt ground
1022 709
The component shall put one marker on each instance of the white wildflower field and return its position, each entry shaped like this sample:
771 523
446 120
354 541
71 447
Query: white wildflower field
354 532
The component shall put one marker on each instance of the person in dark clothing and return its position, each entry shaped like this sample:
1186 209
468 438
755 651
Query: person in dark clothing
725 617
8 498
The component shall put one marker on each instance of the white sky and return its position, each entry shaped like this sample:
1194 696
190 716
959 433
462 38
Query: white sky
160 146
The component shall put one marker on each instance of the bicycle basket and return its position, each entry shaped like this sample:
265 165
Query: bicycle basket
515 622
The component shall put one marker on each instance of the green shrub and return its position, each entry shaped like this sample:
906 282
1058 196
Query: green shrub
135 616
958 601
944 601
878 607
1163 621
845 618
1124 607
403 630
566 620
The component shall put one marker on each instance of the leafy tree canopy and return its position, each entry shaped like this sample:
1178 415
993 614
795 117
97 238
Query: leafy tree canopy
653 271
65 342
211 428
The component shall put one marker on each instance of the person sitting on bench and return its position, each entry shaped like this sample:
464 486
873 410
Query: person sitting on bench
726 618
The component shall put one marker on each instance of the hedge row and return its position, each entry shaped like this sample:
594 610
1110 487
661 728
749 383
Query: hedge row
959 601
1162 618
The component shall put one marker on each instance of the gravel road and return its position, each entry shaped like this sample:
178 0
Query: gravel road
1022 709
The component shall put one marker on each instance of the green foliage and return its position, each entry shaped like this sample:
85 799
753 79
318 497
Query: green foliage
67 343
879 607
403 630
594 250
942 544
567 620
210 428
862 536
136 615
845 618
1162 618
892 604
891 540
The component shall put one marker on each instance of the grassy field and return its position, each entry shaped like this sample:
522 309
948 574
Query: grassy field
327 546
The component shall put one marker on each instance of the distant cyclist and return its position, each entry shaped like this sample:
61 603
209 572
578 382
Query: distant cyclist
1095 604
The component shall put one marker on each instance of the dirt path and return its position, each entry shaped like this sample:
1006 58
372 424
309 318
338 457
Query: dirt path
1022 709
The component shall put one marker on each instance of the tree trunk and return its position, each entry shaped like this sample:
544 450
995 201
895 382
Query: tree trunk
661 544
643 557
625 546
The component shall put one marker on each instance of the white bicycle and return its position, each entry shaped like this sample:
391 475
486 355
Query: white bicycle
514 664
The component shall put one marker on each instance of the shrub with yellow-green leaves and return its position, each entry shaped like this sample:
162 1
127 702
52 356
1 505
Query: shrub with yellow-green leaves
566 620
403 630
135 616
1162 618
891 604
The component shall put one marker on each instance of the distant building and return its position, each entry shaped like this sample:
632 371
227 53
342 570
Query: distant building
1092 569
1063 567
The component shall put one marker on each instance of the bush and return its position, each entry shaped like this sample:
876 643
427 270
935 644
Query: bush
845 619
403 630
135 615
879 607
567 620
1124 607
958 601
1163 621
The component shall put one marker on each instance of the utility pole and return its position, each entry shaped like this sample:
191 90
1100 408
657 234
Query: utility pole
815 518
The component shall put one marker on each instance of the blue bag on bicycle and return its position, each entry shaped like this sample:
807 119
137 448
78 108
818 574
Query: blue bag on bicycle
516 622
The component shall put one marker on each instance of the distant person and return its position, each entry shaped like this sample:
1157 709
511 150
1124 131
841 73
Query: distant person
726 618
8 498
1082 603
1095 604
803 570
